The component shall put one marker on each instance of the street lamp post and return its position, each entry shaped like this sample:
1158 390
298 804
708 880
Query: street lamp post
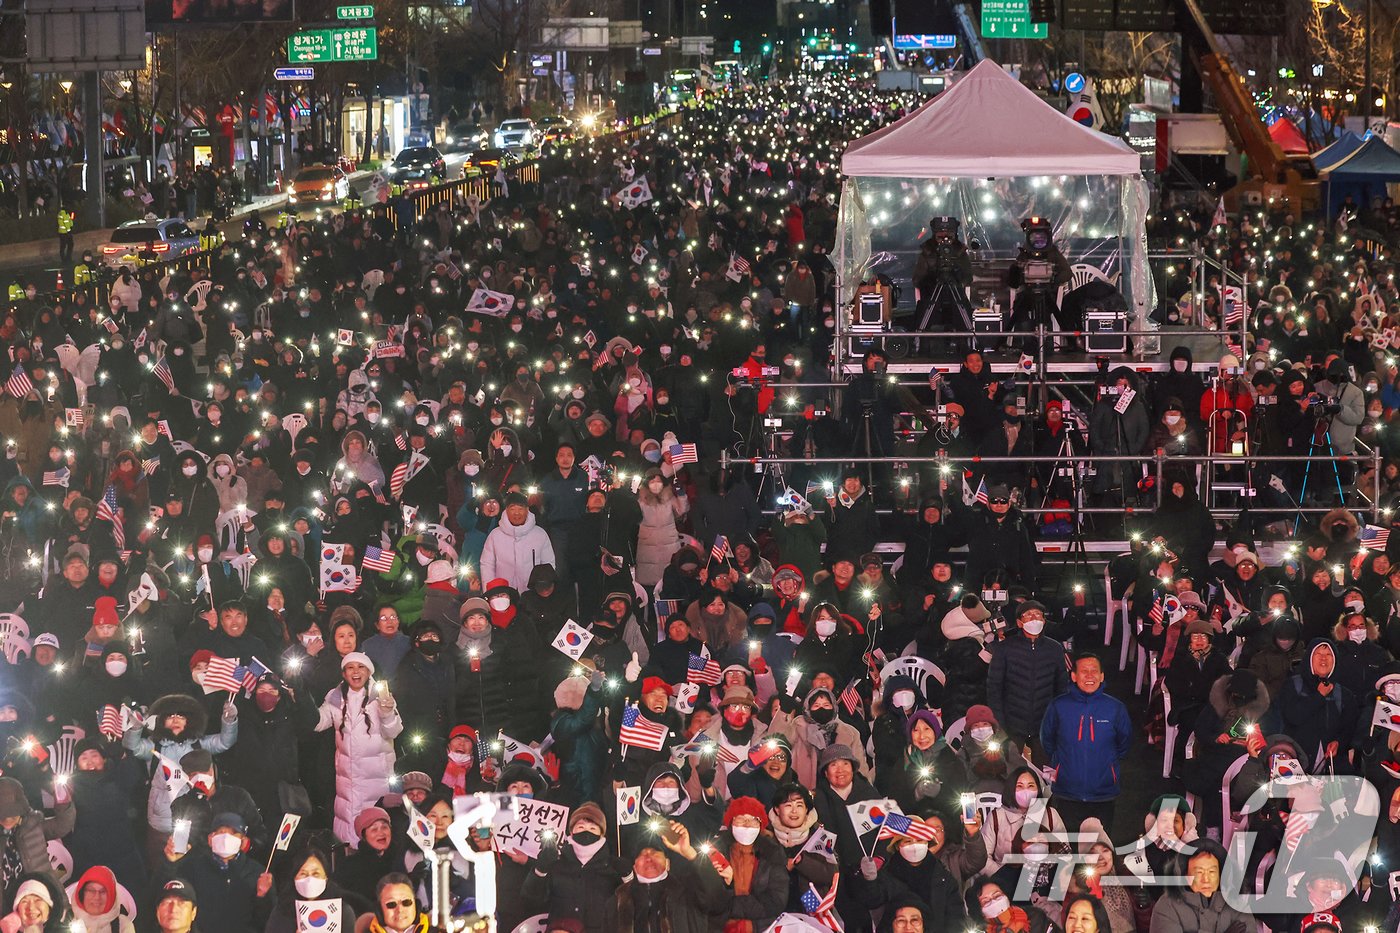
1370 95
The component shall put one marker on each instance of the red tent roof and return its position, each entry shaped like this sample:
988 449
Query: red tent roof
1286 135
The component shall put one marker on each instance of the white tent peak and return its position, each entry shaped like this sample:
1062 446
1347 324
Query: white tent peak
988 125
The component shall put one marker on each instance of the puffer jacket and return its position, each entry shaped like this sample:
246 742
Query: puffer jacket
512 551
1024 677
501 690
34 830
1311 718
658 537
1185 911
232 489
364 752
569 888
1085 735
160 742
689 900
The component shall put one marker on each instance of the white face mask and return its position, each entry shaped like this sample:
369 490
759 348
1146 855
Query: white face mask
825 627
1392 691
577 393
981 733
1172 419
500 603
1353 606
1033 626
471 469
116 666
422 420
205 554
997 907
1357 635
372 417
310 887
221 470
1025 796
904 700
745 835
505 450
1179 365
914 852
303 469
423 559
666 796
458 758
189 469
225 845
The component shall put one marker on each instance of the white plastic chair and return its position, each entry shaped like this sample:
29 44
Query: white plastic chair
1233 822
954 732
1113 606
1169 745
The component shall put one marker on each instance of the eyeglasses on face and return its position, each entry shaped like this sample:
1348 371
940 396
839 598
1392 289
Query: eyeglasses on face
390 905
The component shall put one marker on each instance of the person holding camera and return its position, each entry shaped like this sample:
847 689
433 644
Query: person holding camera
1345 410
942 275
1037 273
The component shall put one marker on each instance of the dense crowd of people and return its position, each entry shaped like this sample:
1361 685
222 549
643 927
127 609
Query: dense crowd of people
303 550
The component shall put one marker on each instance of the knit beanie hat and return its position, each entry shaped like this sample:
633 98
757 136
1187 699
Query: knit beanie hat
745 806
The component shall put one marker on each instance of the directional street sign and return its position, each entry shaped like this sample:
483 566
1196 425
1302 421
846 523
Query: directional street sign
363 11
341 44
354 44
303 73
1011 19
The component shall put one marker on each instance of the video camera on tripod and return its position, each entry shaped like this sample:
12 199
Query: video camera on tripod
1037 265
745 379
1321 406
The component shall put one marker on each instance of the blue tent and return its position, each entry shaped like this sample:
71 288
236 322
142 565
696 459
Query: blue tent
1363 174
1345 145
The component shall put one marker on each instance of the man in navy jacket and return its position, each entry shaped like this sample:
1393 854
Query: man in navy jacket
1086 733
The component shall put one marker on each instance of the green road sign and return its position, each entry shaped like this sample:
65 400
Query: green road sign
354 44
342 44
354 12
1010 19
313 45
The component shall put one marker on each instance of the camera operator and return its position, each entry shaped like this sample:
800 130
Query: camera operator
1038 272
1345 411
942 275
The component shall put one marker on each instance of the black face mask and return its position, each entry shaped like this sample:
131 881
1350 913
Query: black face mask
430 648
822 716
586 838
604 633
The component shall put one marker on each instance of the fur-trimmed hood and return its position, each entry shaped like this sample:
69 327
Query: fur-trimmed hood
1252 709
179 704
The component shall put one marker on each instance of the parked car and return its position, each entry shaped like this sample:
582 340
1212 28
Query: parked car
555 131
486 161
317 184
138 242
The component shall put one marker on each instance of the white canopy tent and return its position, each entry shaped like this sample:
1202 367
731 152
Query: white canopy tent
990 152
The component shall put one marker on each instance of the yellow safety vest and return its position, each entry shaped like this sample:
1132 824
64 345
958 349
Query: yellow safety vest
65 222
15 292
82 274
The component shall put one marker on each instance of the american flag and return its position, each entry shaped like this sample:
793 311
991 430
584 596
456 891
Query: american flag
150 465
700 670
981 497
377 559
665 608
248 674
1296 824
222 674
111 722
107 511
897 824
57 477
823 909
401 440
1375 537
19 384
641 732
483 749
162 372
397 479
720 550
1158 612
850 698
684 453
74 417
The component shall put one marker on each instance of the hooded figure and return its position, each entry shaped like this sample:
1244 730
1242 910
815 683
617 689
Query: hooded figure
816 728
516 545
178 724
232 489
96 904
1314 709
25 845
671 801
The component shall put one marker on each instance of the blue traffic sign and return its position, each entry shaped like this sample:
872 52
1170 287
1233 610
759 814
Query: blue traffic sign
303 73
1074 82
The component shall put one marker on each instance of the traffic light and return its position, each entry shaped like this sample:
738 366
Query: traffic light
812 42
767 47
1042 11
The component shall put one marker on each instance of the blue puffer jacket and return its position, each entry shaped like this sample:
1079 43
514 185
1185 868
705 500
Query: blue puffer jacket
1085 735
